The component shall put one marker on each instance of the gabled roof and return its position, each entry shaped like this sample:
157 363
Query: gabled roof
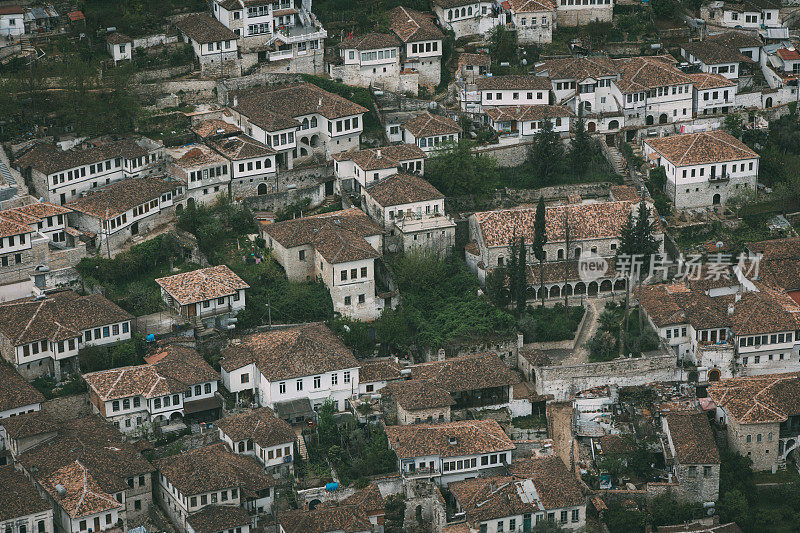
213 468
465 373
260 425
449 439
527 112
204 28
202 284
338 236
372 371
401 189
370 41
736 39
383 157
293 352
644 73
413 26
19 496
481 60
48 158
701 148
238 147
712 53
426 125
758 399
556 486
217 518
531 6
692 438
788 54
708 80
417 394
198 155
215 128
58 316
29 425
83 496
15 391
780 262
116 198
578 68
513 82
118 38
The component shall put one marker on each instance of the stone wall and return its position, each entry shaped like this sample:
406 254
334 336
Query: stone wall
253 80
162 73
279 200
512 155
558 192
563 381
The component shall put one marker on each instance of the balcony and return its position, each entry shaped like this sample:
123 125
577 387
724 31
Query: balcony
719 178
420 472
280 55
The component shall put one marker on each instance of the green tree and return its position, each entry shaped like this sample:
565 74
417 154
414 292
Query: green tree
539 240
734 507
638 238
733 124
503 45
581 148
621 520
666 9
521 278
395 513
455 170
546 154
496 287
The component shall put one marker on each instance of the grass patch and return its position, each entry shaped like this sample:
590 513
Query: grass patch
529 421
50 389
550 324
789 475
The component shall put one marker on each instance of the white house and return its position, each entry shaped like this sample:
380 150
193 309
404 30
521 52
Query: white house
744 14
713 94
534 20
215 46
22 509
297 120
747 43
297 368
790 60
715 58
422 43
12 21
450 451
43 335
176 382
526 120
205 173
17 397
412 211
117 212
263 435
513 90
540 489
253 165
212 295
342 249
652 90
430 132
119 46
211 476
704 168
467 17
369 60
356 169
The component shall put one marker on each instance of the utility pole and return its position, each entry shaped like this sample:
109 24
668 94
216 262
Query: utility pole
269 311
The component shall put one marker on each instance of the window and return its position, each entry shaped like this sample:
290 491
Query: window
347 376
576 515
157 403
347 300
299 384
363 272
334 378
115 405
246 377
317 382
344 275
208 388
706 471
563 517
301 255
361 298
692 471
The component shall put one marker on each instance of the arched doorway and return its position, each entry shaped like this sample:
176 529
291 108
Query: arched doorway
262 188
179 209
541 293
619 285
717 199
313 504
649 120
662 119
613 125
314 141
592 289
605 286
590 127
580 288
713 374
189 202
555 291
587 107
567 290
530 293
768 102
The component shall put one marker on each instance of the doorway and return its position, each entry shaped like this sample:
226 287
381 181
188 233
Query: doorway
135 228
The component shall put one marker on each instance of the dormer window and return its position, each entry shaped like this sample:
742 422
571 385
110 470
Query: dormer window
452 440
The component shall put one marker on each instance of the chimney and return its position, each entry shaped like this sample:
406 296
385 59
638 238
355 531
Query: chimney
738 295
319 102
235 101
61 490
440 355
731 309
378 153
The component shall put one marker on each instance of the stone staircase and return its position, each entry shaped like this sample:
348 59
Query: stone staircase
301 444
616 159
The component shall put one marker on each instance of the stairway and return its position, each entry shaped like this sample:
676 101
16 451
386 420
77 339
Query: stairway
301 444
617 160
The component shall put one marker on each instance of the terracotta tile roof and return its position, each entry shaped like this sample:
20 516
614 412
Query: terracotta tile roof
9 228
347 519
240 147
417 394
512 82
173 374
711 53
472 437
19 496
453 3
276 107
119 197
758 399
465 373
338 236
577 68
203 284
480 60
489 498
83 496
199 155
400 189
788 55
215 128
15 391
214 468
535 357
48 158
587 221
12 10
383 157
99 447
426 125
204 28
780 262
624 193
29 425
372 371
462 527
291 353
369 500
261 425
527 112
705 80
370 41
118 38
554 271
218 518
692 438
35 212
557 487
413 26
59 316
531 6
643 73
736 39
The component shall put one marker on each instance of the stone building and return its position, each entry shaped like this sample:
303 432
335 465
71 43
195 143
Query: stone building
263 435
534 20
370 60
215 46
422 44
430 132
358 168
418 400
582 12
467 17
713 94
205 173
253 165
691 452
